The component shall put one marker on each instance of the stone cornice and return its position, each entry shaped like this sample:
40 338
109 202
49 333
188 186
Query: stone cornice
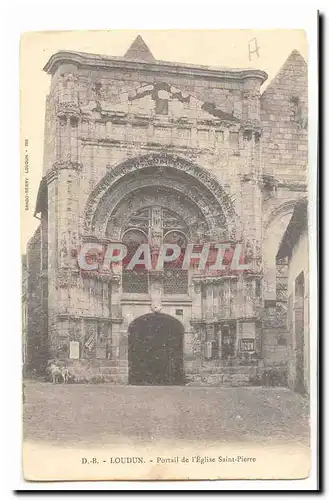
293 186
99 276
100 319
121 118
62 165
91 238
246 274
214 279
84 60
179 300
222 321
149 147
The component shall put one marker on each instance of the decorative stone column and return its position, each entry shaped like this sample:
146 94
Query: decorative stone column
196 299
65 173
63 181
116 317
155 276
251 176
218 333
155 289
251 210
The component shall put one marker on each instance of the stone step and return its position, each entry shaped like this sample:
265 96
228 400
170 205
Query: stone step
113 362
115 380
113 370
96 362
225 370
219 380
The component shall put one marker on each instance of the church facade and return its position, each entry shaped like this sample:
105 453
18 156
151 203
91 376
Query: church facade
144 151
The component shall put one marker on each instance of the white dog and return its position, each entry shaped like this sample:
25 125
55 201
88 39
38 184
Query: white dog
58 373
55 373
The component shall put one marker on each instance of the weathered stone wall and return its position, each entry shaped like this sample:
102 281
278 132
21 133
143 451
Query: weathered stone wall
35 311
298 264
284 113
52 263
284 116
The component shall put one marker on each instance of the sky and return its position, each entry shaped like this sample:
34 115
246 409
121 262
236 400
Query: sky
225 48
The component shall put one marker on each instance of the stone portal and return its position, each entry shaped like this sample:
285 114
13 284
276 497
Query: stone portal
143 152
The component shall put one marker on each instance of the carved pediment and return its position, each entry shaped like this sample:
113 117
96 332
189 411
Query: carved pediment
161 98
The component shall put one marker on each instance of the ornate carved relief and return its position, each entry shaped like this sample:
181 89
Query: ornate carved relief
191 174
66 278
156 306
104 276
188 212
68 109
212 214
197 340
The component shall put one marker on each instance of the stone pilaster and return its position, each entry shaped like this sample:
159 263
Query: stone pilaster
252 172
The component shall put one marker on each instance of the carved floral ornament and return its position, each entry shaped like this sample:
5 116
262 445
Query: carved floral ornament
197 178
197 210
67 278
68 109
72 278
187 212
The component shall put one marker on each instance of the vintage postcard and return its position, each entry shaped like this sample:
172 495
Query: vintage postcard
165 255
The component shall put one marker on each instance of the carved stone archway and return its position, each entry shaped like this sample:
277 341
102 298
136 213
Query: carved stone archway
163 171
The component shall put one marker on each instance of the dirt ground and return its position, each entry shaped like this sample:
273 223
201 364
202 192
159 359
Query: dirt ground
92 414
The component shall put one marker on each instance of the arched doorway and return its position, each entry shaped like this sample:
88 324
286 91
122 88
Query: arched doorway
156 350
